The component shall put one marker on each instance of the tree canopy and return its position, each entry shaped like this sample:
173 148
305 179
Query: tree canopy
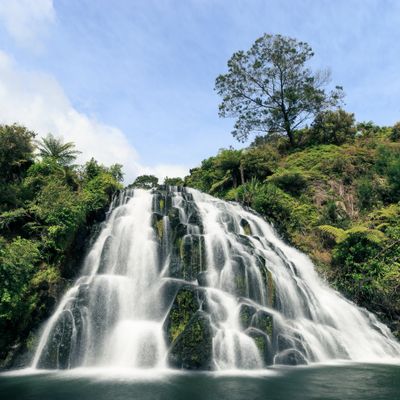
270 88
53 147
145 182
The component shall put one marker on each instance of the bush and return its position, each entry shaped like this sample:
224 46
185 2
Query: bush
395 134
333 127
17 264
292 181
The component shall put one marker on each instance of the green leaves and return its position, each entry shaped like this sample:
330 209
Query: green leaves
54 148
17 263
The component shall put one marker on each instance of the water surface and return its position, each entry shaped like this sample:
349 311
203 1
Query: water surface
334 382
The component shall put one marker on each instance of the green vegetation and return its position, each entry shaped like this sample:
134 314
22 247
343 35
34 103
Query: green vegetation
144 182
271 89
335 196
47 206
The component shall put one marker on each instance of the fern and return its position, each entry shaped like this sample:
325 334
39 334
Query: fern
335 233
339 235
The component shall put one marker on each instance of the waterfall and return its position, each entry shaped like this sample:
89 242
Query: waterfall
179 279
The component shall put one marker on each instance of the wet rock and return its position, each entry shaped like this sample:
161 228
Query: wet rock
193 348
290 357
192 254
187 301
105 258
246 226
240 276
263 321
272 300
246 313
263 343
202 278
57 351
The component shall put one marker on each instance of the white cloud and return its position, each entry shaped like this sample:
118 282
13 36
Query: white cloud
27 20
37 101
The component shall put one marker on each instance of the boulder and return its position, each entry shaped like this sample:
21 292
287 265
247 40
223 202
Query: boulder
290 357
187 301
246 313
263 343
193 348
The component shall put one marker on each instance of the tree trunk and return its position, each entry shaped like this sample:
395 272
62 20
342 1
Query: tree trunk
241 173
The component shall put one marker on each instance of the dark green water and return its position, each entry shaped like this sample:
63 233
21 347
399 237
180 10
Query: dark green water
377 382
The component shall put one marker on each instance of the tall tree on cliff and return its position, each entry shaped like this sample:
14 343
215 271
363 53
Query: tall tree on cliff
270 88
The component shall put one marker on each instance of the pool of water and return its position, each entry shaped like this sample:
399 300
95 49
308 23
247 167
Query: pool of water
328 382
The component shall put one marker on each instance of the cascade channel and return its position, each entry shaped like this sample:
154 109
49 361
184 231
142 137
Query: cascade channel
179 279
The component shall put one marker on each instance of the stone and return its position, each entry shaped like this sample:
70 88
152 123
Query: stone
263 343
246 313
290 357
193 348
263 321
187 301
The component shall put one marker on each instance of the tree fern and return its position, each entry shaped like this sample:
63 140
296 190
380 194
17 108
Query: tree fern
55 148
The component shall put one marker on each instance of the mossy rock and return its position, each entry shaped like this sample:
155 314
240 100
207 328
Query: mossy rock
246 313
246 227
193 348
192 253
240 276
263 343
269 286
174 218
263 321
187 301
158 224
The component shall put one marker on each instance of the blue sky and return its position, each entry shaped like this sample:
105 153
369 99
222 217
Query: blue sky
132 81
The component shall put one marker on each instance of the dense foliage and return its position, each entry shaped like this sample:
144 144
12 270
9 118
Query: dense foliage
47 206
335 196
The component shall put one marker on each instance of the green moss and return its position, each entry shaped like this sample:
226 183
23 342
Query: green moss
162 205
183 308
160 228
264 322
260 343
193 348
246 313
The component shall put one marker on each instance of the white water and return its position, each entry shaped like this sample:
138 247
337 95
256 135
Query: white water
114 314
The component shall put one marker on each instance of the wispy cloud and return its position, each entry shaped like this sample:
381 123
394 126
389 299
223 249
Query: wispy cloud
27 20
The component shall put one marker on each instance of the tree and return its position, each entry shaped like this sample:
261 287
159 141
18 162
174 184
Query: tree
333 127
173 181
145 182
16 152
270 89
52 147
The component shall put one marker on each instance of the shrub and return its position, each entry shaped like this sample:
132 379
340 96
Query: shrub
395 134
292 181
333 127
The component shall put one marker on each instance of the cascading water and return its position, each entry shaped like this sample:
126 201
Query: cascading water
177 278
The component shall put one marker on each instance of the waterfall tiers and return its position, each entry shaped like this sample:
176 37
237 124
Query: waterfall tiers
179 279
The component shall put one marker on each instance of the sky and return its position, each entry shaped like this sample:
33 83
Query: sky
132 81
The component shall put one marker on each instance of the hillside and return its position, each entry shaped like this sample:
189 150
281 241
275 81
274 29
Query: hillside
335 196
